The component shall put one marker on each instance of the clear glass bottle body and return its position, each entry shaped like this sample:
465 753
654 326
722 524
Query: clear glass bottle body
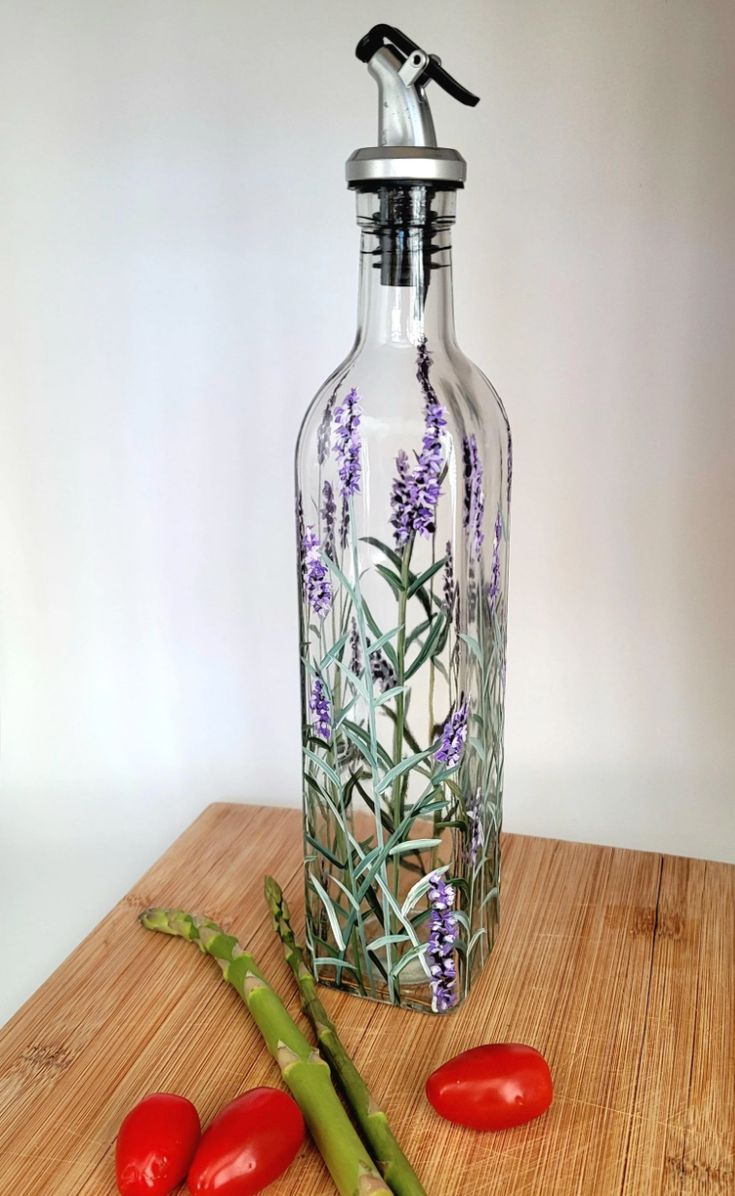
403 489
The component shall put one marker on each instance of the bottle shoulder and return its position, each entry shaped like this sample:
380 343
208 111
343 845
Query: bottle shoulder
386 380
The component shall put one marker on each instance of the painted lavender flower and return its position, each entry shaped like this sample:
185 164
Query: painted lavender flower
457 649
381 670
401 502
347 444
325 426
321 710
493 589
474 496
451 588
510 467
329 510
344 525
471 595
443 935
355 654
477 830
300 526
454 736
315 575
430 461
416 492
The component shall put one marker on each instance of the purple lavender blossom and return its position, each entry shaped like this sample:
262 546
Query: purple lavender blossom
474 497
457 649
355 654
381 670
493 589
510 467
430 460
344 525
471 595
347 444
315 575
325 426
454 736
329 510
443 935
321 709
300 526
400 501
451 588
416 493
477 830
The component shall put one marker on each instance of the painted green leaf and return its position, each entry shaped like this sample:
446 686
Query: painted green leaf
326 768
350 896
391 554
475 940
408 735
419 630
397 560
414 953
343 713
361 739
390 694
326 901
368 861
376 645
333 653
375 630
420 889
392 578
335 569
322 960
414 845
357 683
440 668
473 645
430 646
313 783
342 864
386 940
478 746
398 769
418 582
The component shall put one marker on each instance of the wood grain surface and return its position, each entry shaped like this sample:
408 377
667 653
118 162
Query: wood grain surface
618 965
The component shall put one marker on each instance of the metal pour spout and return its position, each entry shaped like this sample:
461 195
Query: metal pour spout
407 149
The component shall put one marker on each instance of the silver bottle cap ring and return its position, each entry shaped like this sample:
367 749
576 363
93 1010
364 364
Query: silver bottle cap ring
406 164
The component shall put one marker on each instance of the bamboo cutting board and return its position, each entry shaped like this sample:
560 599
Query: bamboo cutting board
618 965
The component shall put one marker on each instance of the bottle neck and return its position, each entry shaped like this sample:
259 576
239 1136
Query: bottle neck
405 267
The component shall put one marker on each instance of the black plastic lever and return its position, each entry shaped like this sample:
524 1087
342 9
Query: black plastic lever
382 35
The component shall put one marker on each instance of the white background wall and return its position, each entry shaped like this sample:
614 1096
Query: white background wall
178 258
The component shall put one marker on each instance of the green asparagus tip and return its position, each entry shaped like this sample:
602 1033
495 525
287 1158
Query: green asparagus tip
156 919
168 921
273 892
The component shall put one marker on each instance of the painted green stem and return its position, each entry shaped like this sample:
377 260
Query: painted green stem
393 1164
372 728
397 801
303 1071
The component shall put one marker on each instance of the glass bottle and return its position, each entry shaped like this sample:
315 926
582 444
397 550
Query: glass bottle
403 487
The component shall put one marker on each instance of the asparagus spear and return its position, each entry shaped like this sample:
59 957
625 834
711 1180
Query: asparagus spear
305 1073
394 1166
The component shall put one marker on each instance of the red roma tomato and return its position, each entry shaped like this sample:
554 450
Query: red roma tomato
249 1144
155 1145
492 1087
